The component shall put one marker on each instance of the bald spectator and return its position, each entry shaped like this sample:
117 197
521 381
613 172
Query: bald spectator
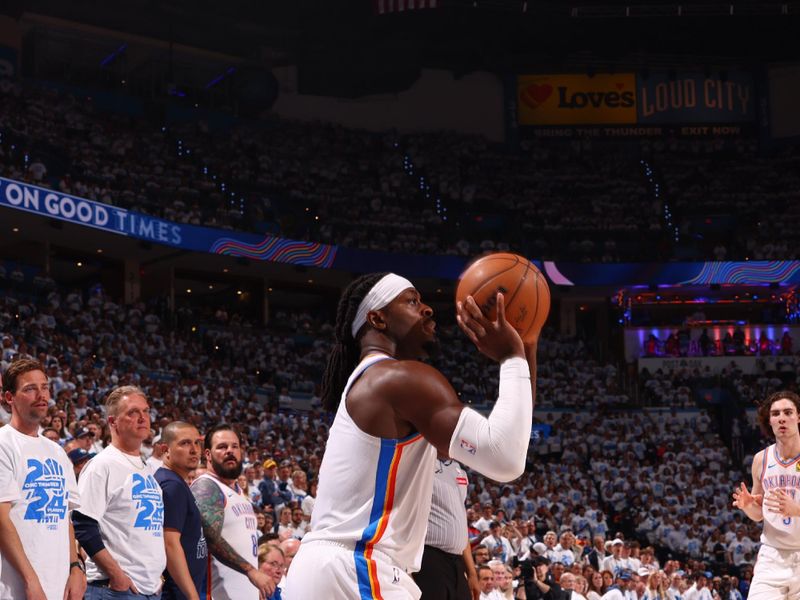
289 548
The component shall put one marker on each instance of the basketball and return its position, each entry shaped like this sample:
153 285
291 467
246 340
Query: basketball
527 295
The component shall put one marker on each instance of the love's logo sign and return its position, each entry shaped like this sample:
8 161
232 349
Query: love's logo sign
535 95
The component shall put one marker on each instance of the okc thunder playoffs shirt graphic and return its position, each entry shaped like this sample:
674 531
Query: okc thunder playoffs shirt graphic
125 499
36 477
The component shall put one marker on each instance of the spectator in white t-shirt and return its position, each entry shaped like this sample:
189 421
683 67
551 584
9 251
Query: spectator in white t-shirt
614 562
739 548
499 546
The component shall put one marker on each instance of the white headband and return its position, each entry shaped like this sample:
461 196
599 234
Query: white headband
383 292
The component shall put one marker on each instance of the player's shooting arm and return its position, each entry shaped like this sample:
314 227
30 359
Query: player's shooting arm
211 504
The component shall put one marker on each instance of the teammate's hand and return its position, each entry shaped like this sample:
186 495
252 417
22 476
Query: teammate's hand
781 503
263 582
496 339
121 583
742 498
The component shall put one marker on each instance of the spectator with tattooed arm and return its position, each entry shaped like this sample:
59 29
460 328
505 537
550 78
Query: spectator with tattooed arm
229 522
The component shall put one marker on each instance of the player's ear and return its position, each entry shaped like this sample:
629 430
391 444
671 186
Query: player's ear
377 319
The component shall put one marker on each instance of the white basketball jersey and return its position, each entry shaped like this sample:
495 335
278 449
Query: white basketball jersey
779 531
374 494
240 530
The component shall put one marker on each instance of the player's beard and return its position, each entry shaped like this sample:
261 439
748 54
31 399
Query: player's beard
432 348
226 472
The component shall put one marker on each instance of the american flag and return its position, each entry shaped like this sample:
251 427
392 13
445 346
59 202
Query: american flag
383 7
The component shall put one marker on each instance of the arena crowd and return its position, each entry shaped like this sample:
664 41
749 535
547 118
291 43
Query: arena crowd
440 193
645 496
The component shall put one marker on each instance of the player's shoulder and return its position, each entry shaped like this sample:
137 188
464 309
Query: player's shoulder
408 374
410 381
760 456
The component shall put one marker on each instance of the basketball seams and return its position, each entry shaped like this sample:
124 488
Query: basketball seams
484 282
522 280
523 286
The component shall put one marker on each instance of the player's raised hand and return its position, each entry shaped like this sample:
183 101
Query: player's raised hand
781 503
742 498
496 339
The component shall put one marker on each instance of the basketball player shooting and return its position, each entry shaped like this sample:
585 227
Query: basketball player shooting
393 413
776 480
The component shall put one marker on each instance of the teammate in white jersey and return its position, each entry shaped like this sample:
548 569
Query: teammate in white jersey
775 500
229 522
37 492
393 413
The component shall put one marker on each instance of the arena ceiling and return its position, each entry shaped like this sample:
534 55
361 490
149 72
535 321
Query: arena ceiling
497 35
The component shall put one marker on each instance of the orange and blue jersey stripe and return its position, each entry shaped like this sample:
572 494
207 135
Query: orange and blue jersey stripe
382 502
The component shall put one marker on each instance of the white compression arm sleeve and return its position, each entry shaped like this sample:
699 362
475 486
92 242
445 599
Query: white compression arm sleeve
497 446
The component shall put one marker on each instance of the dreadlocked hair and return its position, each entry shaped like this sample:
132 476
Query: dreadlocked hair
346 350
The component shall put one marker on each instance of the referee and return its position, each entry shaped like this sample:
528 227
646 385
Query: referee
448 572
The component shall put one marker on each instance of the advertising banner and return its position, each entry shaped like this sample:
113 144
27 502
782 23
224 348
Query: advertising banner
629 104
119 221
696 98
49 203
577 99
